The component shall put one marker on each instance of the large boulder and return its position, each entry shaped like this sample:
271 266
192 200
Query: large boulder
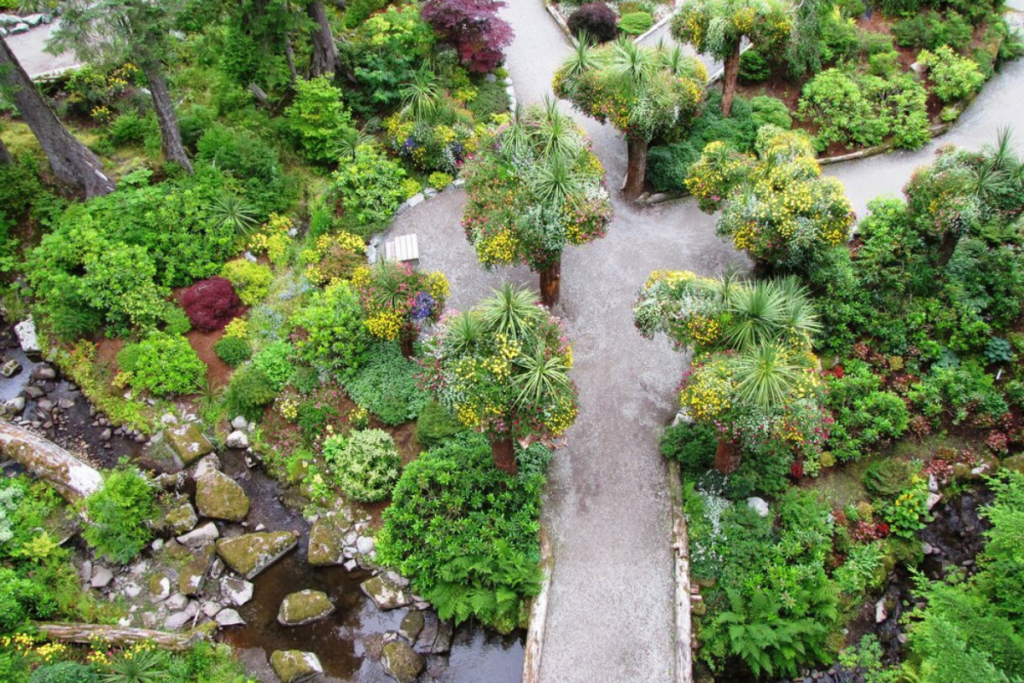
304 607
218 496
293 666
252 553
192 575
436 635
401 662
386 594
327 540
188 443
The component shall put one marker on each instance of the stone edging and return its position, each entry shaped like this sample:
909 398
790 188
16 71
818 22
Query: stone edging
538 614
681 606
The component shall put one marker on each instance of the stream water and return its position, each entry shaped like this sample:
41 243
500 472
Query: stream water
344 642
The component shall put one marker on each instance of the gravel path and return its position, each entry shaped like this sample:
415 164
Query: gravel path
28 48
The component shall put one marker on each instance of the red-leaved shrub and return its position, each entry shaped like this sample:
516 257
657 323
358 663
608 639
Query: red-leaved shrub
597 20
211 304
473 28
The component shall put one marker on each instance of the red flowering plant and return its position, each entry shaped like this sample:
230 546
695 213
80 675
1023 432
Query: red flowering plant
398 299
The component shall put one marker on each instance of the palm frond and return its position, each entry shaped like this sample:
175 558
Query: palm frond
232 211
765 376
511 311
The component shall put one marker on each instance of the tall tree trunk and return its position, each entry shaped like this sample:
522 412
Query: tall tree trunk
636 168
732 72
72 478
324 60
551 283
407 337
5 156
504 451
290 58
170 133
71 161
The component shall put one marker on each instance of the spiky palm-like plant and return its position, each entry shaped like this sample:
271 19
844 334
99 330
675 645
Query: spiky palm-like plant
539 376
235 212
766 375
511 311
421 97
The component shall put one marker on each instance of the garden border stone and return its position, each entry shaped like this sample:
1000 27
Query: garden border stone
681 550
538 613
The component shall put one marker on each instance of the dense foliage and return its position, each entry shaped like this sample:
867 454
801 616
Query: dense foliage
162 363
365 464
473 28
120 514
465 533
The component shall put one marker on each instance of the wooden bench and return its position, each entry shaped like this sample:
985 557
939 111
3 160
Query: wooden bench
404 248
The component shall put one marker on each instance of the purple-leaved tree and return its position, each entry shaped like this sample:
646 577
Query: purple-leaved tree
473 28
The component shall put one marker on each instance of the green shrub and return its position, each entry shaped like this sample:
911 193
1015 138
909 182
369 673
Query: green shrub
693 445
365 464
435 425
233 350
635 23
274 360
465 533
330 334
317 119
128 129
386 385
886 479
21 599
439 180
754 68
963 391
250 280
312 418
162 364
491 98
370 187
249 392
931 29
254 162
358 11
954 77
119 515
884 64
64 672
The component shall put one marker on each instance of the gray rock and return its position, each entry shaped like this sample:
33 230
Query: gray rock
26 329
229 617
33 19
106 435
238 591
239 422
458 182
326 541
294 666
210 463
44 404
44 372
436 636
176 602
159 587
218 496
250 257
15 405
430 192
66 403
210 608
179 620
304 607
34 393
207 533
132 590
881 613
415 200
933 500
168 419
101 577
237 440
10 368
758 505
365 545
682 417
411 626
437 665
401 662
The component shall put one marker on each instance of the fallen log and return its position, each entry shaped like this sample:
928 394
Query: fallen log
89 634
73 479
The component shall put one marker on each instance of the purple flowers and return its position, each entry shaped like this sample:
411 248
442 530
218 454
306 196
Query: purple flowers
422 306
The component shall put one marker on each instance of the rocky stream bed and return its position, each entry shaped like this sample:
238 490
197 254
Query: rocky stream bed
235 556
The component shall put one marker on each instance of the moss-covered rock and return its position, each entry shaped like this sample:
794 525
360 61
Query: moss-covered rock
385 593
159 586
252 553
188 443
181 520
401 662
304 607
294 666
192 575
218 496
327 540
411 626
1015 463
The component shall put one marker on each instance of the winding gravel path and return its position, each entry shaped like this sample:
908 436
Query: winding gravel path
610 616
